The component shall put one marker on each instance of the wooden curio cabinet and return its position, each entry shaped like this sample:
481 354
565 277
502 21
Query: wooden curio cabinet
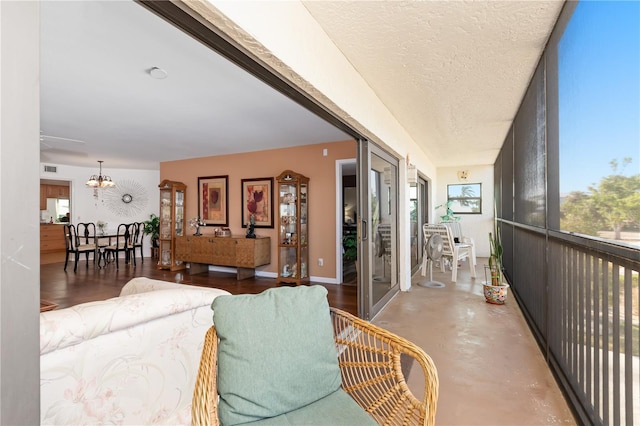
172 223
293 235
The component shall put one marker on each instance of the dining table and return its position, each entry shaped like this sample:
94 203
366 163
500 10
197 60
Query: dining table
102 241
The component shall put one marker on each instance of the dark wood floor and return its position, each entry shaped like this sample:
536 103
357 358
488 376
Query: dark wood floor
91 283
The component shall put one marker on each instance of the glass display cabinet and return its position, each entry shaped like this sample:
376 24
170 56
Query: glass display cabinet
293 237
172 223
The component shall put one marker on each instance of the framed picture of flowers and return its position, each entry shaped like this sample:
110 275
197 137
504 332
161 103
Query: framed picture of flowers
213 200
257 201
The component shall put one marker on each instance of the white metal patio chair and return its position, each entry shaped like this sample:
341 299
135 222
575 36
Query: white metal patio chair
456 251
459 237
383 245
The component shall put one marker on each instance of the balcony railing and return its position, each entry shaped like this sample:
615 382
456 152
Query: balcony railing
583 308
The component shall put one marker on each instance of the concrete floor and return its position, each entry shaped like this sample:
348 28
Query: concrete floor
490 368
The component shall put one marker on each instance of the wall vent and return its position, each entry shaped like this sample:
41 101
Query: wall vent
50 169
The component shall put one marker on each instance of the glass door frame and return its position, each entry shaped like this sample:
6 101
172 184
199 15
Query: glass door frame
422 207
367 307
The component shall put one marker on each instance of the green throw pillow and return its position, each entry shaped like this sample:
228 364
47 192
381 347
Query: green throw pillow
276 352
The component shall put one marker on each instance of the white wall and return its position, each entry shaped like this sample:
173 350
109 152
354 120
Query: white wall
85 208
19 200
476 226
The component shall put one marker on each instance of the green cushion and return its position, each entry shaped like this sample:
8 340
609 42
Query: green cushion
337 408
276 352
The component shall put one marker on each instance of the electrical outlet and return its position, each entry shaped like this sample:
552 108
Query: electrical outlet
320 261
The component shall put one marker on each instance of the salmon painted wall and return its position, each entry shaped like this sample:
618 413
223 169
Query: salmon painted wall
307 160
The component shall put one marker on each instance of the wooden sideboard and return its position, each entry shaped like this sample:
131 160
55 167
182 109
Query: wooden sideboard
243 253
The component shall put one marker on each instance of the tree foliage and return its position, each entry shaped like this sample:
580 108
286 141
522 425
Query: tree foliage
609 205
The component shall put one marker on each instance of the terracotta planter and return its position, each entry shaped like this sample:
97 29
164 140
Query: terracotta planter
496 294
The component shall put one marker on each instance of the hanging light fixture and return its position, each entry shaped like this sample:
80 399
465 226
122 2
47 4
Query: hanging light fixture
100 181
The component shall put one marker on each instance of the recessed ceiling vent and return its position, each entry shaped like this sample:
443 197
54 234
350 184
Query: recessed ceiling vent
50 169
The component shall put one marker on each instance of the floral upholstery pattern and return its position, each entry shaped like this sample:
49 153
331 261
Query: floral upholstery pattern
132 359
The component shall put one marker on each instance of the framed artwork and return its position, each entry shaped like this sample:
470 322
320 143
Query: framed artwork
257 200
213 200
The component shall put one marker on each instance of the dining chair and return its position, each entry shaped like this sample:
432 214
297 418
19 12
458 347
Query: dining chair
122 244
136 240
87 235
74 245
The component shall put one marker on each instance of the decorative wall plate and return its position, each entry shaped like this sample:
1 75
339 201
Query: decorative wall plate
128 198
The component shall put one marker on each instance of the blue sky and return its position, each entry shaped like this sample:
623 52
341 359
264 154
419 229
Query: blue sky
599 92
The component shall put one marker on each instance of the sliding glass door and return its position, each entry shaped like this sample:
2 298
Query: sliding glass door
378 195
418 193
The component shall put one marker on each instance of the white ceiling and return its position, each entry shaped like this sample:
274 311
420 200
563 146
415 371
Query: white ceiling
451 72
95 87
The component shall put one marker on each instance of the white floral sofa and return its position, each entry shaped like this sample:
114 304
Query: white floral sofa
132 359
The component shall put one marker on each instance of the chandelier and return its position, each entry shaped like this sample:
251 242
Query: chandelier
100 181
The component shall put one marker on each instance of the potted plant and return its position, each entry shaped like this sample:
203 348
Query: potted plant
350 247
350 250
448 216
152 227
495 290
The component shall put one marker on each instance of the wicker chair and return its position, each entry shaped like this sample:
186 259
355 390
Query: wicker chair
369 358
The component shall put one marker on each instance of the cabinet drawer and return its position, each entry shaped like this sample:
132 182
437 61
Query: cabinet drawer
52 238
52 245
54 232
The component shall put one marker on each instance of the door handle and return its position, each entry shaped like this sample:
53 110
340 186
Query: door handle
364 230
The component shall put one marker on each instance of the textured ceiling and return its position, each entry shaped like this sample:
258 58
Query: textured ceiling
453 73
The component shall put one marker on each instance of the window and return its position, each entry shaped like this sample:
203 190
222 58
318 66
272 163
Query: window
465 199
599 105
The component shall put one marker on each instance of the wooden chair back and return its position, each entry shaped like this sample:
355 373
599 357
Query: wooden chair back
86 232
138 233
123 236
76 245
70 237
